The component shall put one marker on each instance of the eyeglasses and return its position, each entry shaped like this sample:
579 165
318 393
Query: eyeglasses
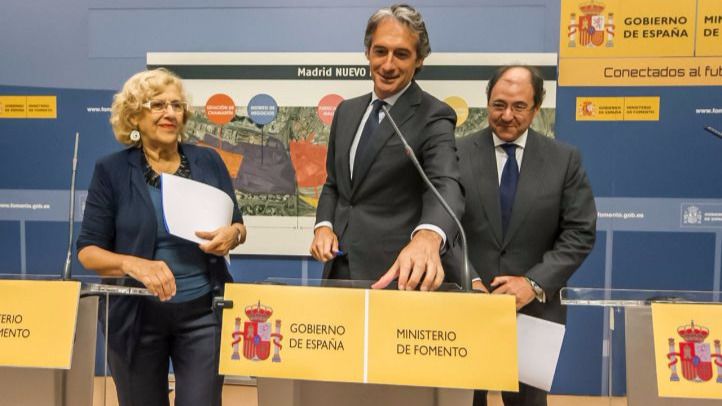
158 106
500 106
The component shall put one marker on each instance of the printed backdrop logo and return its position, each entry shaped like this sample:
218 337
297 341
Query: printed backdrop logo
257 335
591 26
695 354
692 215
587 109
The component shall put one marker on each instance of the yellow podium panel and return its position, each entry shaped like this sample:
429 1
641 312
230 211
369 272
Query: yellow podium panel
687 350
388 337
37 323
293 332
442 339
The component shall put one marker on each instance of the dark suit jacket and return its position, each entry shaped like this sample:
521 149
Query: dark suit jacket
119 217
374 215
553 221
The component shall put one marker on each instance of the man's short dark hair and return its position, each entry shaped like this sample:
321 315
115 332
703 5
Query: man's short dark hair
537 82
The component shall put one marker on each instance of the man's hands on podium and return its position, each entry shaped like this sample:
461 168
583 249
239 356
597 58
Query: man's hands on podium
477 284
325 244
514 285
418 262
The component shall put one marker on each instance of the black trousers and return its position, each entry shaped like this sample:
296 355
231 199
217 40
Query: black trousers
187 334
527 396
340 268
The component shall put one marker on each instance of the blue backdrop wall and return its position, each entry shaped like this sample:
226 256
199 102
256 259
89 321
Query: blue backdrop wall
98 44
83 50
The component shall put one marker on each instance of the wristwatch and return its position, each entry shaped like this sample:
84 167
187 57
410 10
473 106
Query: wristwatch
240 234
538 291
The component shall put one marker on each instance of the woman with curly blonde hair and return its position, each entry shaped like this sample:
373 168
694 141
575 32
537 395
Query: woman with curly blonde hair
123 235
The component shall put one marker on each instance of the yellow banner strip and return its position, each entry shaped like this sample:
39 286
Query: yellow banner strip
641 72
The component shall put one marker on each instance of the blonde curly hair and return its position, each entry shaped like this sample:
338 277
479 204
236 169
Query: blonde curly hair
141 87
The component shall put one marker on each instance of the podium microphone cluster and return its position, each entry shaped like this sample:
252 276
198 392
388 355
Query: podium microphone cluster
466 277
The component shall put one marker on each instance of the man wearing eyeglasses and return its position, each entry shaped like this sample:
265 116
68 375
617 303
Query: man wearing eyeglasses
530 216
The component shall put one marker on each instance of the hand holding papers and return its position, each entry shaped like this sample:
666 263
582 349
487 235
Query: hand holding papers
190 206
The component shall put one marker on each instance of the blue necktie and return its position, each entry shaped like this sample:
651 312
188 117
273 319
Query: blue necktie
372 123
507 187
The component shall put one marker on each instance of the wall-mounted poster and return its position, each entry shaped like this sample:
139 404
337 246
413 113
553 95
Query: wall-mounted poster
269 116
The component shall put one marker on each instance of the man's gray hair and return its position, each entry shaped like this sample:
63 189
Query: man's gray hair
406 15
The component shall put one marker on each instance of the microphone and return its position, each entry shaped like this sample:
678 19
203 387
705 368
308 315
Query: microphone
466 282
68 257
713 131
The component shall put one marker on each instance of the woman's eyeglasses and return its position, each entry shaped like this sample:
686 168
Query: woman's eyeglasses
158 106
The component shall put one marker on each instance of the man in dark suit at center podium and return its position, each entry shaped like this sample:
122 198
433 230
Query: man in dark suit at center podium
376 220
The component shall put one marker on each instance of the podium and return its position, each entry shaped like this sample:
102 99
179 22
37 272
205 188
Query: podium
635 307
61 387
305 391
35 386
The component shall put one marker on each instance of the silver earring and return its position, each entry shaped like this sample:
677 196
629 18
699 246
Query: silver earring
134 135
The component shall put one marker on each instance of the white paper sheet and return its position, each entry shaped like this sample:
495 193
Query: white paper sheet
190 206
540 342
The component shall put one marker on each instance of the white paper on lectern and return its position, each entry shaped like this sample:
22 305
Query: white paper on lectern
190 206
540 342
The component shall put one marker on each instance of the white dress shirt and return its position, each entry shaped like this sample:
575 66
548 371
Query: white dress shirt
501 155
390 101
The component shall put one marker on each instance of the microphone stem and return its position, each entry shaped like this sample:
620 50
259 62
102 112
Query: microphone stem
466 280
71 215
713 131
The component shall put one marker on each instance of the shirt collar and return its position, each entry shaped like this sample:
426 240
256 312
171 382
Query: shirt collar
520 142
392 99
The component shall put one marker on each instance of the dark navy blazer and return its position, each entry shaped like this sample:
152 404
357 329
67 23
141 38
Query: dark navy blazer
119 217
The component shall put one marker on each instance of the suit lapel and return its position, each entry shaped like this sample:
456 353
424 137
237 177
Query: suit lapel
345 133
137 178
483 162
402 111
531 178
197 172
